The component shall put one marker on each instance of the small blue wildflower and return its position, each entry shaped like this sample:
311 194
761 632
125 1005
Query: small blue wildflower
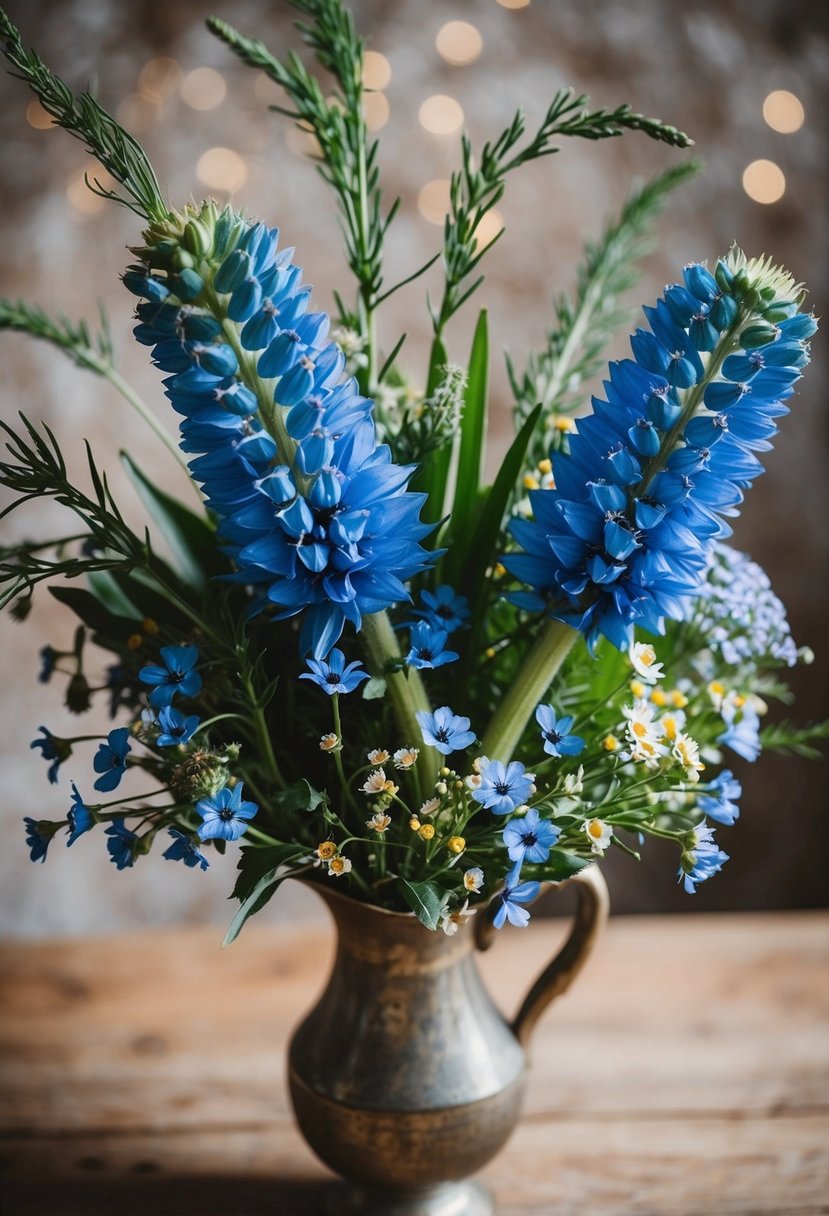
38 834
183 849
48 662
52 748
742 733
719 800
175 676
428 647
738 613
175 728
556 733
445 731
333 675
514 894
121 844
530 838
503 788
225 815
701 859
80 817
111 759
443 608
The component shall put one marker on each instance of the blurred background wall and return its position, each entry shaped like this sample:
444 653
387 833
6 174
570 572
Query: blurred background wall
708 67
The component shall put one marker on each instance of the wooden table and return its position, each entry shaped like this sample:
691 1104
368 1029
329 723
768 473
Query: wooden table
685 1073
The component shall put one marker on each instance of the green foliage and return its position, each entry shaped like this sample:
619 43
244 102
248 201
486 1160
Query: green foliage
794 740
472 446
72 337
82 116
426 900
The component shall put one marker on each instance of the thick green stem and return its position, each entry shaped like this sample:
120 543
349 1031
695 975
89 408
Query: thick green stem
529 686
406 689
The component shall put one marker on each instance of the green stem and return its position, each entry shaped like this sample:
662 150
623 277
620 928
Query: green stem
406 689
143 410
262 732
338 759
529 686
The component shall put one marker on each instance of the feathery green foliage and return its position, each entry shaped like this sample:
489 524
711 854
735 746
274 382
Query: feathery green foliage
793 740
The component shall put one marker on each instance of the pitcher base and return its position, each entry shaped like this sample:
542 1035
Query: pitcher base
452 1199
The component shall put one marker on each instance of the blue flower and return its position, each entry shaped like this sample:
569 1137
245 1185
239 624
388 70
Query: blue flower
513 895
443 608
445 731
175 728
121 844
80 817
556 733
428 647
48 661
503 788
719 800
701 859
111 759
183 849
742 733
52 748
333 675
225 815
530 838
175 676
39 832
640 495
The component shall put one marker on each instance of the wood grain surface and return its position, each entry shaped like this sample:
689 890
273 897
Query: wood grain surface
687 1072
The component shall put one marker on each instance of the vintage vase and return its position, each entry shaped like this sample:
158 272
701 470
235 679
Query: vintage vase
405 1077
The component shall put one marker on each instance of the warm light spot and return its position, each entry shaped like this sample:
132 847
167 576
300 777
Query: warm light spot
159 78
376 70
514 3
37 117
459 43
441 115
204 89
302 140
81 198
433 200
222 169
376 110
136 113
764 182
489 227
784 112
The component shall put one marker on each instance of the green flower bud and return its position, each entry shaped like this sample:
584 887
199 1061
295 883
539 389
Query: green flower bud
197 238
757 335
198 776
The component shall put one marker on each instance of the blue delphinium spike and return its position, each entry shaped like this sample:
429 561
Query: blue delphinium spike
624 537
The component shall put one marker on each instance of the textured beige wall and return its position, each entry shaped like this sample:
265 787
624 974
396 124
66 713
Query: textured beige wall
704 66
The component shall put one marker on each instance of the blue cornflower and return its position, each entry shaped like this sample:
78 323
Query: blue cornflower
514 894
556 733
428 647
701 859
121 844
80 817
445 731
175 728
333 675
503 788
443 608
52 748
225 815
183 849
48 662
175 676
39 832
111 759
530 838
719 800
742 733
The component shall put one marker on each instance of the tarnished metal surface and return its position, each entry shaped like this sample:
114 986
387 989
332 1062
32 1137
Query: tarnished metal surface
405 1077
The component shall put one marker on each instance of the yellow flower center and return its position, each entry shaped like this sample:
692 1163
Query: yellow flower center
595 828
456 844
326 850
426 832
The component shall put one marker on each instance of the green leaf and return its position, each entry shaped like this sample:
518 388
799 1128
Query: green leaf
298 797
260 861
105 589
262 892
375 688
472 445
432 476
425 899
561 865
89 609
191 540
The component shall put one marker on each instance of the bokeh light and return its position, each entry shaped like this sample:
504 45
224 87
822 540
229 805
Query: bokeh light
203 89
514 3
441 115
376 109
433 200
764 181
302 140
376 70
489 227
222 169
159 78
37 117
81 199
459 43
136 113
784 112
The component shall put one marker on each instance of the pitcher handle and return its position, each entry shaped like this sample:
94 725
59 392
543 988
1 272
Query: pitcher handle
591 914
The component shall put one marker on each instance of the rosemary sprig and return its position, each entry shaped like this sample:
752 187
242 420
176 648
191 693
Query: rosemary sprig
82 116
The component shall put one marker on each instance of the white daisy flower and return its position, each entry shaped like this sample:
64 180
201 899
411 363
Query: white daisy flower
599 834
643 660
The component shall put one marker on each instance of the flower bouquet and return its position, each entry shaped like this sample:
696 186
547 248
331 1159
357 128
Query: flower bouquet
380 671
